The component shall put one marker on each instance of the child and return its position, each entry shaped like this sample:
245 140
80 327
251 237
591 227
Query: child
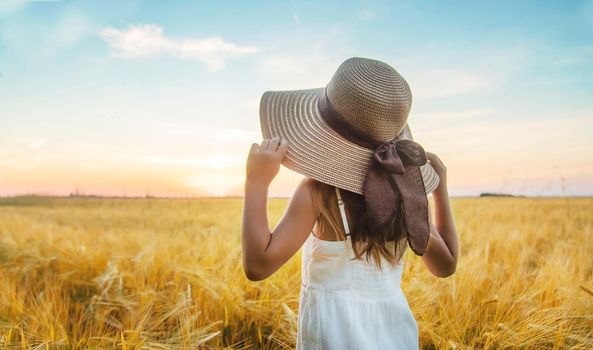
362 202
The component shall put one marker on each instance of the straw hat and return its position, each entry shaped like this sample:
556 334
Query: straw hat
367 95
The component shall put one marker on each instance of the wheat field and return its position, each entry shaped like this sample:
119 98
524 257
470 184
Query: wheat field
84 273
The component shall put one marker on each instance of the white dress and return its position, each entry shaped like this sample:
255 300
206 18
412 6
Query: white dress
351 304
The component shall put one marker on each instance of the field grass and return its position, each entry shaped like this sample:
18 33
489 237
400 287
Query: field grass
159 274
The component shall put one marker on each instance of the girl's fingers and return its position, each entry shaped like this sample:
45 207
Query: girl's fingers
283 147
433 158
273 145
254 147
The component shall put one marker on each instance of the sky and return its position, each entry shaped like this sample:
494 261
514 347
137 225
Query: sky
161 98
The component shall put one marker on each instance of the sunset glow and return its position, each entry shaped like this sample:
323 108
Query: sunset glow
156 99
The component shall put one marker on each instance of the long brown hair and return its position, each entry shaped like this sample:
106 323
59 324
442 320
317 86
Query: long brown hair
389 242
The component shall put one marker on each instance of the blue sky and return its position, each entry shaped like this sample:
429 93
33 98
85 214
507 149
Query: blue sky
161 97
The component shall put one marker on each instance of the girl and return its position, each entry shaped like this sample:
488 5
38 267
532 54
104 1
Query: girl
362 202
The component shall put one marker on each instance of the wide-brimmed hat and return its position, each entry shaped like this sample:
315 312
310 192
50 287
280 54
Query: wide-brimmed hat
354 134
370 95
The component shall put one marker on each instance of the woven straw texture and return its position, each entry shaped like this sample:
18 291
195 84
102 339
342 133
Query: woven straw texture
370 95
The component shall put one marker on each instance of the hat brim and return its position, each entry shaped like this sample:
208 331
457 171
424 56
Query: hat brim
316 150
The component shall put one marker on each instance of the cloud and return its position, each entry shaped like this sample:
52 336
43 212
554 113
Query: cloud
149 40
203 132
37 144
449 82
72 28
10 6
294 71
434 71
216 183
213 161
367 15
45 40
85 85
574 56
309 64
450 116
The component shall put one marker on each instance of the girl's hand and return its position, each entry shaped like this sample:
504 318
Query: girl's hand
440 169
263 162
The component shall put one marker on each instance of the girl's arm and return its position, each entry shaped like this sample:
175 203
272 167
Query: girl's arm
265 251
443 247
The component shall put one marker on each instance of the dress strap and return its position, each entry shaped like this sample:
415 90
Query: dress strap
343 212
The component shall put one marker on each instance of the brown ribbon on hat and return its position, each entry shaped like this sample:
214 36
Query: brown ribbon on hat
391 181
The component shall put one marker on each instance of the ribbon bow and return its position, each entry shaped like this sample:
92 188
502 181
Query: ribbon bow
392 184
393 181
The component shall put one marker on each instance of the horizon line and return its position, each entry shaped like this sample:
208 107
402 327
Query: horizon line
481 195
